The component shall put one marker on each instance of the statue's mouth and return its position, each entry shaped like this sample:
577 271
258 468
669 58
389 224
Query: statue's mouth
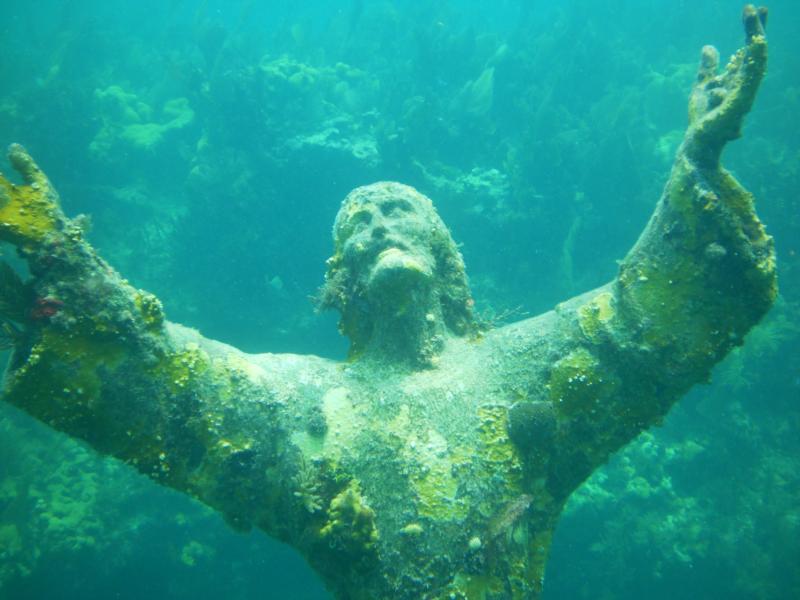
363 250
393 254
396 269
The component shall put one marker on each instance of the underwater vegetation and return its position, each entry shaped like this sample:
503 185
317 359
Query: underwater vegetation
212 149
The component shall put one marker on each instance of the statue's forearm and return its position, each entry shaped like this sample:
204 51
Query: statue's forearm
701 275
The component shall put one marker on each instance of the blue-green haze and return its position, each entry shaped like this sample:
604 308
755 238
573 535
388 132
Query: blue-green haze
211 143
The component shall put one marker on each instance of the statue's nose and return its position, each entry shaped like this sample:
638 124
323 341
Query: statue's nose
378 232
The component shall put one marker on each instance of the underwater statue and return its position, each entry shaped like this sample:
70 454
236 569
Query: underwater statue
435 461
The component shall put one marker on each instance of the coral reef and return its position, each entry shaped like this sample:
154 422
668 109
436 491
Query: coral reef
131 125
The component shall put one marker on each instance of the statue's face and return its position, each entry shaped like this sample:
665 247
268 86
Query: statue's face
384 234
394 258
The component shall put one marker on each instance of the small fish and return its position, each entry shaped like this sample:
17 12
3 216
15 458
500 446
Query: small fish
510 514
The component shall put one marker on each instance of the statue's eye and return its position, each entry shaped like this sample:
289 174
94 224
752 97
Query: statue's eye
395 208
362 217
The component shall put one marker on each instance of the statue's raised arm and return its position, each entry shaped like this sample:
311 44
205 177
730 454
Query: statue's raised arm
701 275
434 463
703 271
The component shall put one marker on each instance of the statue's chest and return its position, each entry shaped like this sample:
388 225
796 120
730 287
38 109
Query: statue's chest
420 477
424 456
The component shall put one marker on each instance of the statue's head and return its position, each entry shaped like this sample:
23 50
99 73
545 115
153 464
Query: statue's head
395 265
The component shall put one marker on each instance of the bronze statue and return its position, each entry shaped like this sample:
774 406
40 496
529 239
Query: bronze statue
435 461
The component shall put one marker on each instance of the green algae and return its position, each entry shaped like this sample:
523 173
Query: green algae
63 397
151 310
184 368
595 315
579 383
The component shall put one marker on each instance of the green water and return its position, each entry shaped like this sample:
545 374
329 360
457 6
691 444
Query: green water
212 142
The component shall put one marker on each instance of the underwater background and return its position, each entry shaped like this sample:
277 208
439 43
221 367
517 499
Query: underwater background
211 144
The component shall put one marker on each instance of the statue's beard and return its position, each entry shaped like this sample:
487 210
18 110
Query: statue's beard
398 280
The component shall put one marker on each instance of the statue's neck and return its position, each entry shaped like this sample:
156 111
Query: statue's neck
408 330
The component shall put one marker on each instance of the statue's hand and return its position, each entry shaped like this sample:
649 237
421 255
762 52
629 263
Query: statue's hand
29 213
719 102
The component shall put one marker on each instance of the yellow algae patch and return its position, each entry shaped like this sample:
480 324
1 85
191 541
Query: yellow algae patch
26 212
65 397
351 523
183 368
84 356
579 383
497 447
433 480
594 316
150 308
412 530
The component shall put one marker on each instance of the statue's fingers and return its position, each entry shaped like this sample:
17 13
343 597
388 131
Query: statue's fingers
754 21
30 212
707 70
25 166
719 103
709 64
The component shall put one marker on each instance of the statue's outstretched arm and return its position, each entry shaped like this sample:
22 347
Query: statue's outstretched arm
94 357
701 275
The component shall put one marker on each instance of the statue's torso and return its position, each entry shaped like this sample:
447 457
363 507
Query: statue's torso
409 481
